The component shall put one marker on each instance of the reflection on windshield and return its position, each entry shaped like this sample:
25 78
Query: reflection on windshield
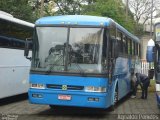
86 44
55 59
51 52
82 53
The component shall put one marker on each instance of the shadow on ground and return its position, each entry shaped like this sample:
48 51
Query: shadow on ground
13 99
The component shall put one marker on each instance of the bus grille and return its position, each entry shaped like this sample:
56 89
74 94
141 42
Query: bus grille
68 87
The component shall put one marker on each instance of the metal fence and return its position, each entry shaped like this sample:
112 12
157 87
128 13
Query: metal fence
145 67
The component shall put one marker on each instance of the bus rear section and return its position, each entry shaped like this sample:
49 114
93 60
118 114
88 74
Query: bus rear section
14 76
14 67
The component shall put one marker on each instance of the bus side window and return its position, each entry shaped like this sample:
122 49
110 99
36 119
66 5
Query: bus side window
128 47
16 43
124 44
133 52
135 48
121 44
139 50
112 39
126 50
120 41
4 41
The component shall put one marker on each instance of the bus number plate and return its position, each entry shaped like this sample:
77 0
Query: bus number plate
64 97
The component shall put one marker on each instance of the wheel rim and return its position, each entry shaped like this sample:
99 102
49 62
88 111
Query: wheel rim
115 97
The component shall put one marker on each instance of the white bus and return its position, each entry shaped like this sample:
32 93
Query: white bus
14 67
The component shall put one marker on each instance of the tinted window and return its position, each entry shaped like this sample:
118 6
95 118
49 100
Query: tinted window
13 35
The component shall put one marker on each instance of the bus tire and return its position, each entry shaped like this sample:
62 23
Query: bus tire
56 107
51 106
112 107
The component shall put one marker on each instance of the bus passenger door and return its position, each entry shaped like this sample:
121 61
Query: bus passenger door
112 58
113 55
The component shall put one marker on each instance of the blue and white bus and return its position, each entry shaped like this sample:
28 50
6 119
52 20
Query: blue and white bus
153 55
82 61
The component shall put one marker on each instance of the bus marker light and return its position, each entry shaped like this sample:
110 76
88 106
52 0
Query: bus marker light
37 95
93 99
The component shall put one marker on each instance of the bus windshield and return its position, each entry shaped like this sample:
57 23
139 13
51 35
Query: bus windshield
68 49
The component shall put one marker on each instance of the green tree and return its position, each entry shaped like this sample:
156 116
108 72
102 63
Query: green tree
114 9
18 8
70 7
58 7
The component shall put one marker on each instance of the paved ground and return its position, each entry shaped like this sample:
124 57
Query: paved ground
126 109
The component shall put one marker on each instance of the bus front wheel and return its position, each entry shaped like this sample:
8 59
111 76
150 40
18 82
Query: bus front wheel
56 107
51 106
112 107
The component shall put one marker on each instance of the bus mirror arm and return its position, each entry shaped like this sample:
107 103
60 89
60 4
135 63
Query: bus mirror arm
29 58
26 50
26 53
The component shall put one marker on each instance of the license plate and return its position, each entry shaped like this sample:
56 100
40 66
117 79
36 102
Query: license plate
64 97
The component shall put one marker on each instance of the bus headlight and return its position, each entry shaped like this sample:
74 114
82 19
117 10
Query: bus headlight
37 86
95 89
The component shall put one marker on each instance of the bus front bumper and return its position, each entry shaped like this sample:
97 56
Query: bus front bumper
69 98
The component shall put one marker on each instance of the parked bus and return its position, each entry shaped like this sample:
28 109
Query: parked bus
153 55
14 67
82 61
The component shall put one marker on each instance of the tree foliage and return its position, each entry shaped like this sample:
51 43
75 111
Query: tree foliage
70 7
114 9
30 10
142 10
19 9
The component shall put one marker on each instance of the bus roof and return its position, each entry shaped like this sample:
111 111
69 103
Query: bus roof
74 20
10 18
82 20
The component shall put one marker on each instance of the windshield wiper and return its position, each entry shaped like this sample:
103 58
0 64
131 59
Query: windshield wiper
53 65
81 71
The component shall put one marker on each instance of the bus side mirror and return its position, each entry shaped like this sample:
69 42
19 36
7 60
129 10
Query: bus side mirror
28 46
150 51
